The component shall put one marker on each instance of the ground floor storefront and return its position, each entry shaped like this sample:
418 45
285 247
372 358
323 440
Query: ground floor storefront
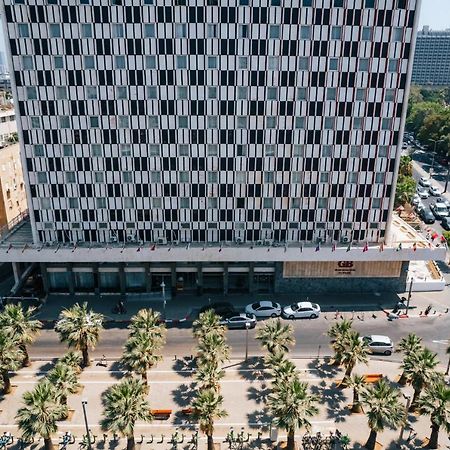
237 277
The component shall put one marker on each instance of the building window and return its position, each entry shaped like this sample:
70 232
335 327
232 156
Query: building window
212 150
300 122
376 203
273 63
336 32
379 177
35 122
267 203
243 31
296 177
24 30
121 92
86 30
268 177
127 177
212 92
349 203
89 62
242 93
242 62
212 121
73 202
124 122
393 65
298 150
305 32
360 94
182 121
333 64
357 123
272 93
119 62
41 177
45 203
183 150
182 92
274 31
242 122
70 177
324 177
31 93
117 30
157 202
94 122
331 93
181 62
184 202
390 95
155 177
212 31
149 30
150 62
100 202
58 62
184 176
382 151
355 151
386 124
296 203
55 30
398 34
27 63
212 202
329 123
64 121
241 177
91 93
180 30
353 177
322 203
99 177
212 177
153 121
212 62
303 63
125 150
271 122
302 93
128 202
152 92
241 150
363 64
96 150
38 150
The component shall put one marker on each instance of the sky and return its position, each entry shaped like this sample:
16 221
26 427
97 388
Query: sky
435 13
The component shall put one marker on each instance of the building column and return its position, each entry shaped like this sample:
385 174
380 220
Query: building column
96 278
225 278
16 272
148 277
44 277
199 278
173 278
122 282
251 274
70 279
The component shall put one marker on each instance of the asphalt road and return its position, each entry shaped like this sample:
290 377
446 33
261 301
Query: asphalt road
310 336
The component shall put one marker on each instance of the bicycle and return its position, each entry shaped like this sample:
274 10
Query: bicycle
86 441
175 439
193 442
6 439
66 439
23 443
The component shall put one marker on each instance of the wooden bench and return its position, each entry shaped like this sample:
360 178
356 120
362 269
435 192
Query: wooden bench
373 377
161 414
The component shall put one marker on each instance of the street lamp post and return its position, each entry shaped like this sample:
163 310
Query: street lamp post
163 287
409 295
247 327
434 153
88 434
446 178
402 429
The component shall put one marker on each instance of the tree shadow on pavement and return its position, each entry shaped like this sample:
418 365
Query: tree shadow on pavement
48 365
257 417
184 366
334 399
323 369
117 370
259 395
253 369
184 394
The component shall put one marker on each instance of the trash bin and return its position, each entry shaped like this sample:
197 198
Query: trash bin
273 433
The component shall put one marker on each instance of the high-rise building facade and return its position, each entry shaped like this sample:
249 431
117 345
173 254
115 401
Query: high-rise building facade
432 58
216 122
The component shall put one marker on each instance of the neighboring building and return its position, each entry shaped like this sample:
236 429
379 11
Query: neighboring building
168 137
432 58
13 199
8 126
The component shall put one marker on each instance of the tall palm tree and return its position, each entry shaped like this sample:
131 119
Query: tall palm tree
72 359
80 328
141 353
357 383
448 364
64 380
17 321
383 408
213 347
337 333
409 345
207 408
273 360
276 336
292 406
40 413
419 369
149 322
285 372
208 376
11 357
208 322
124 405
354 350
435 402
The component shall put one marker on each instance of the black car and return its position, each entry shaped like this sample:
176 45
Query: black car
446 223
220 308
427 215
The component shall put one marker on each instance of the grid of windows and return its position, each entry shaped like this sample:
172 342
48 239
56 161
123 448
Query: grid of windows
225 112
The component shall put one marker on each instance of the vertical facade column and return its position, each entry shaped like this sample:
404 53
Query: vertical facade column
225 278
173 278
44 277
16 272
96 278
70 279
199 278
123 287
148 277
251 274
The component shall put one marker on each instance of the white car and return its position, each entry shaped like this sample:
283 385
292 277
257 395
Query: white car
422 193
444 201
420 206
439 210
379 344
416 200
425 182
264 309
302 310
435 191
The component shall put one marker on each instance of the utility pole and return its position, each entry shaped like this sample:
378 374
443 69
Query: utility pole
446 179
409 295
88 433
434 153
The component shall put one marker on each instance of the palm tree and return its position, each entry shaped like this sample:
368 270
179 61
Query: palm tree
284 373
448 364
337 332
213 347
80 328
276 336
409 345
273 360
435 402
40 413
383 408
149 322
140 353
11 357
354 350
419 369
207 408
357 383
72 359
207 323
292 406
124 405
17 321
64 380
208 376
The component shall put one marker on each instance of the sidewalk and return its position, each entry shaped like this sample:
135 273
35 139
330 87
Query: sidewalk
245 389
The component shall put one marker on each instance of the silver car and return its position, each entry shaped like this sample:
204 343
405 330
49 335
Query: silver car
379 344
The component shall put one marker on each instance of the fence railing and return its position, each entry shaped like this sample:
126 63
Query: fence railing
5 229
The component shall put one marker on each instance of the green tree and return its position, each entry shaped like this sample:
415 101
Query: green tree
337 333
406 188
40 413
208 376
292 407
72 359
18 322
141 353
11 357
273 360
213 348
208 407
64 380
357 383
124 405
383 408
435 402
446 234
419 368
80 328
148 321
284 372
208 322
354 350
409 345
405 167
276 336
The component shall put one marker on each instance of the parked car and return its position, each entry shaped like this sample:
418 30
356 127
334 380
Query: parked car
446 223
379 344
302 310
427 215
416 199
264 308
439 210
220 308
422 193
239 321
435 191
425 182
443 200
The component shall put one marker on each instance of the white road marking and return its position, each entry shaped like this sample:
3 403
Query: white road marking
442 342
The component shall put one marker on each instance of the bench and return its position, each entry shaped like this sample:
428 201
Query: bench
373 377
187 411
161 414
